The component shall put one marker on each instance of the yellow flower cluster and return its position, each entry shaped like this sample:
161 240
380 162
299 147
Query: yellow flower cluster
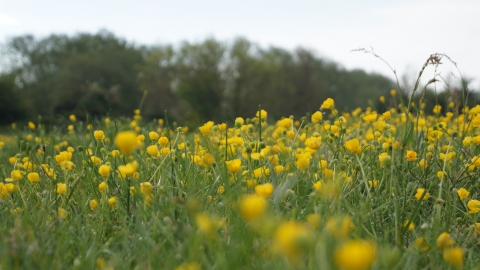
344 187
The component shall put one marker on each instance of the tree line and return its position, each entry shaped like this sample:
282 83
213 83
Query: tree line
104 75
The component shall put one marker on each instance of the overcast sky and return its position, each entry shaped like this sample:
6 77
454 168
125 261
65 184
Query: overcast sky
403 32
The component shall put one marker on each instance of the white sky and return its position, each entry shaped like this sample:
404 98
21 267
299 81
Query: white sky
403 32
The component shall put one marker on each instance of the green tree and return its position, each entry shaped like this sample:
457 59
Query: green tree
12 102
158 77
86 73
194 82
199 78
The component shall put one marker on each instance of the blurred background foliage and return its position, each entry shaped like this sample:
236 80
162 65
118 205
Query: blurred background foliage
103 75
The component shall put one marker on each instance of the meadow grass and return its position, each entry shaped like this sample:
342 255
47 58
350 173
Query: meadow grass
351 190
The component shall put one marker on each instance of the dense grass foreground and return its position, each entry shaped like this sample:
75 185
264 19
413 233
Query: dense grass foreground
358 190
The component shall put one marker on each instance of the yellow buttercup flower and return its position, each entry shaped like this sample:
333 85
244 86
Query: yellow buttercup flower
387 115
146 188
318 186
291 134
263 114
205 129
96 160
454 256
128 169
208 159
385 159
102 186
411 155
447 157
317 117
474 206
328 104
153 135
355 255
115 153
140 139
234 166
370 118
476 121
15 175
476 140
313 142
99 135
475 161
164 151
163 141
467 141
303 161
63 156
444 240
373 183
422 164
264 190
463 194
62 213
126 142
353 146
33 177
112 201
256 156
279 169
252 207
104 171
93 204
61 189
6 189
437 109
152 150
239 121
12 160
420 192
